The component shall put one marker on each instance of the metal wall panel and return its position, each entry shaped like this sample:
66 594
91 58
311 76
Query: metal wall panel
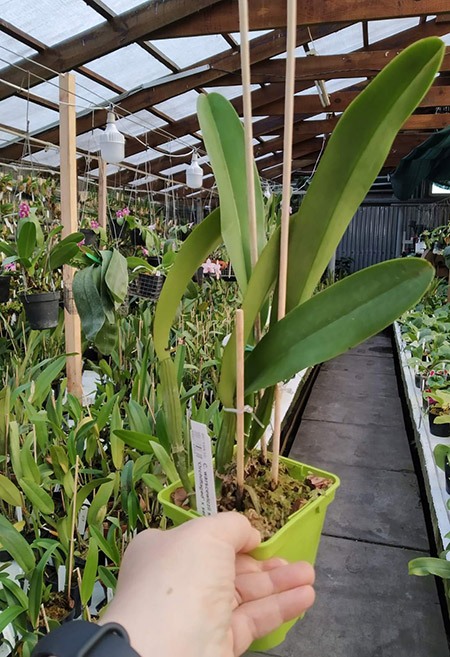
378 233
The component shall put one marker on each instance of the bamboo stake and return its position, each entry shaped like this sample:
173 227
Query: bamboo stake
248 128
44 616
72 529
284 237
240 404
69 219
102 189
249 163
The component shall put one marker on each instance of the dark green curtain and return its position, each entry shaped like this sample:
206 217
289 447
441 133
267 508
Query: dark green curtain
429 161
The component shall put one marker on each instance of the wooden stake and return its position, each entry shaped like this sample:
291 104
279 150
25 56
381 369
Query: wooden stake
102 189
69 217
284 237
240 403
248 128
44 616
72 529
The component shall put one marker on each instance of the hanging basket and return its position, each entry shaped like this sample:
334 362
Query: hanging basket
146 286
5 282
41 309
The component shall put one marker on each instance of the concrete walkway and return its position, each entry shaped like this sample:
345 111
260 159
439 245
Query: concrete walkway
367 605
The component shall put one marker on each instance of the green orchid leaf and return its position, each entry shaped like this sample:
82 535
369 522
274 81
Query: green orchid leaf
165 461
106 338
98 508
337 319
152 482
109 549
26 240
357 150
36 585
201 242
223 134
107 577
88 301
440 453
116 277
429 566
135 439
9 492
90 572
38 497
65 251
43 382
9 615
16 545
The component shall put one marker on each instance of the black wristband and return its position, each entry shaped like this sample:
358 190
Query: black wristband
83 639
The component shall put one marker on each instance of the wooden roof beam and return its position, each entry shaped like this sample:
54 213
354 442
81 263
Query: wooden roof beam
266 14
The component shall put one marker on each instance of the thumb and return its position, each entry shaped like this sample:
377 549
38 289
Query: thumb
230 527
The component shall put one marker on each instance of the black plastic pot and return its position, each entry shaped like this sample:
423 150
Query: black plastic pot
4 288
154 261
90 237
76 611
41 309
440 430
418 380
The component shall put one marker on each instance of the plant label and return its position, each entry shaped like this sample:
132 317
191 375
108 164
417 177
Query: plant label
82 517
205 491
61 578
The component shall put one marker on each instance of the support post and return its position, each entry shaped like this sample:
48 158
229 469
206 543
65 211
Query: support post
102 187
69 218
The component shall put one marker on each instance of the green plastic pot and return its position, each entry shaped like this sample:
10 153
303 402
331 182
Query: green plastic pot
298 540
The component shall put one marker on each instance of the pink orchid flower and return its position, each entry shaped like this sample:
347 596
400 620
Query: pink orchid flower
144 251
94 224
24 210
10 267
83 241
210 267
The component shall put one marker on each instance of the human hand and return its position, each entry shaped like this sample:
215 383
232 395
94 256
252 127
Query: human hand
193 591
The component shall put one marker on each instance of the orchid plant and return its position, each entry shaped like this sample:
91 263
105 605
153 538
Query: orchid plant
316 328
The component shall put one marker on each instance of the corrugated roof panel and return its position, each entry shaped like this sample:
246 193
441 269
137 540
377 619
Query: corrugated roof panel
382 29
87 91
12 50
121 6
129 66
180 106
177 144
50 21
185 51
15 112
139 123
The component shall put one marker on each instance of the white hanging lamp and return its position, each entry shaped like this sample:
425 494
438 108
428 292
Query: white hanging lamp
194 173
112 142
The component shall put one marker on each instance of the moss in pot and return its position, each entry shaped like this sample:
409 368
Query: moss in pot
315 328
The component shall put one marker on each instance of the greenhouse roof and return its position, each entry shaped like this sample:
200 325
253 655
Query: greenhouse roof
151 60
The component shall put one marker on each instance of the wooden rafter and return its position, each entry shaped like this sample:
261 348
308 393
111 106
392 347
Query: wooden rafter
325 67
102 39
266 14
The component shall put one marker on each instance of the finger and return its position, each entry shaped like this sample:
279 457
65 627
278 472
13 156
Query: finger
247 564
230 527
256 585
256 619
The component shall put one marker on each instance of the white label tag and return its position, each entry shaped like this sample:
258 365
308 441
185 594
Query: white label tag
205 491
109 595
19 515
9 634
82 517
61 578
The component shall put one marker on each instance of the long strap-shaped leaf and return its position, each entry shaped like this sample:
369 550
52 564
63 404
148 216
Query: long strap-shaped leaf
223 134
357 150
350 163
200 243
337 319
